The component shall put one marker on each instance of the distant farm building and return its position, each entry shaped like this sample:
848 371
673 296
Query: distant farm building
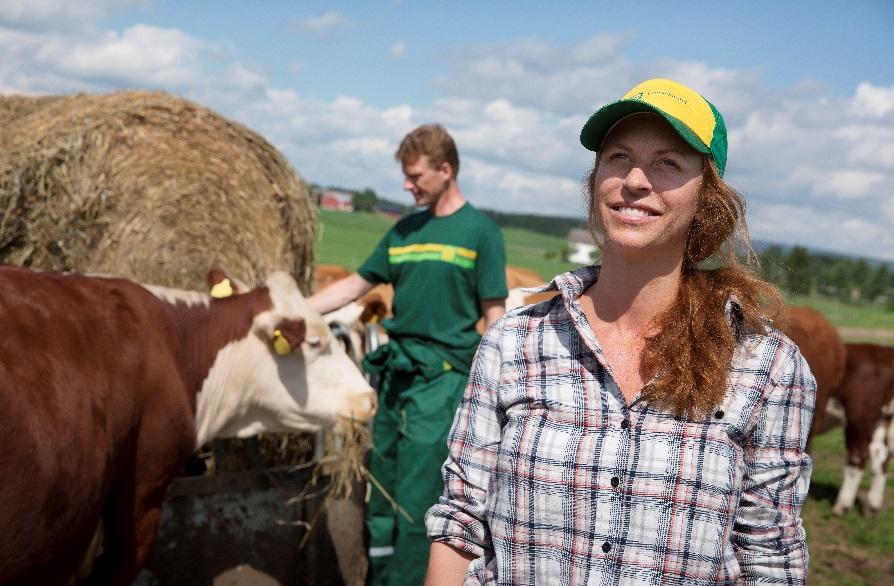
581 248
333 199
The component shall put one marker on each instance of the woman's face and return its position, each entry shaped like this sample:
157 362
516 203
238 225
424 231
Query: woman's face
645 188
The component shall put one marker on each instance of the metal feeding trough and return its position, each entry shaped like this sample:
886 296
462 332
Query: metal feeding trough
239 529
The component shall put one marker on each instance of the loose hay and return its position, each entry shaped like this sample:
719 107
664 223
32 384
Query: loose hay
343 463
148 186
343 467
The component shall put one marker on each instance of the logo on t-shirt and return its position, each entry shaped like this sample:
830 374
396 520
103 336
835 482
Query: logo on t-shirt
456 255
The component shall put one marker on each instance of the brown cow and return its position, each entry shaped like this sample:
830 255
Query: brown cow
822 347
376 302
517 277
867 397
325 275
108 386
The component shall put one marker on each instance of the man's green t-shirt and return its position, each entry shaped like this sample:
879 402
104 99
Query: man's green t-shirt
441 268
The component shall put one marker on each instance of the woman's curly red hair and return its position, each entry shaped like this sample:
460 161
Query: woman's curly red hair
718 302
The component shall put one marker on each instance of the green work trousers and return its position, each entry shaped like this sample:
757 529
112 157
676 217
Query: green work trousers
409 446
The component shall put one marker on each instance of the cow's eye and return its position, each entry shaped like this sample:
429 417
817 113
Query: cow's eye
314 342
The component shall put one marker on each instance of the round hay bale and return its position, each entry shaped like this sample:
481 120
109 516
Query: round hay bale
147 186
12 107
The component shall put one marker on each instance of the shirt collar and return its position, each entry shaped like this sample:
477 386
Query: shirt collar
570 284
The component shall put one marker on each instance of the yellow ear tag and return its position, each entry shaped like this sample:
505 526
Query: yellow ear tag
222 289
280 344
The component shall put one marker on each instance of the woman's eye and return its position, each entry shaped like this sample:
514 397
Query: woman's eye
618 157
670 163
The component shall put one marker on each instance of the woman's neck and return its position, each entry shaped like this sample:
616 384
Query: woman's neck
630 294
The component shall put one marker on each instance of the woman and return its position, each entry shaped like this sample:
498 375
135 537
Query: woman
647 425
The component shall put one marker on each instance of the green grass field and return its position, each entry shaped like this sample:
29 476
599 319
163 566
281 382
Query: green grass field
844 314
850 550
853 550
347 239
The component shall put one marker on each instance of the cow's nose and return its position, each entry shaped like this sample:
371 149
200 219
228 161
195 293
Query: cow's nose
364 405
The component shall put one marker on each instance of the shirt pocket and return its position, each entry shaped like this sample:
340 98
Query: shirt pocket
702 468
561 390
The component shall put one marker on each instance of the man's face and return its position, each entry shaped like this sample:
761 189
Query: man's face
426 183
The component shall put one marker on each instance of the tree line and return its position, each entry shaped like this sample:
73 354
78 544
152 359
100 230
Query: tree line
366 200
798 271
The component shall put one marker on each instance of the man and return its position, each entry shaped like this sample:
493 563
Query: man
447 266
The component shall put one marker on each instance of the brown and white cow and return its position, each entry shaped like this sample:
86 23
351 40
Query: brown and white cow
867 398
824 351
108 386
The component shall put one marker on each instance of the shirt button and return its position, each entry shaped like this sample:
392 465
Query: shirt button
718 414
625 424
606 547
615 482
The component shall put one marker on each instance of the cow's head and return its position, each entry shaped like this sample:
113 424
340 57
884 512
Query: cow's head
287 374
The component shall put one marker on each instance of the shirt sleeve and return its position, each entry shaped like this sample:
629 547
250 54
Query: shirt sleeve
490 270
375 268
458 517
768 535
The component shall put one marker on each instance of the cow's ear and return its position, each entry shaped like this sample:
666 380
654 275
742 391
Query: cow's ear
288 335
221 284
375 310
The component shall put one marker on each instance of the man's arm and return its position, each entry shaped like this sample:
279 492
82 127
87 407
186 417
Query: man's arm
492 310
339 293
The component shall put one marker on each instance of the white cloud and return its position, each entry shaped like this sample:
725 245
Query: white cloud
140 54
502 132
245 77
48 14
538 193
532 72
322 23
873 101
869 145
844 184
398 51
804 223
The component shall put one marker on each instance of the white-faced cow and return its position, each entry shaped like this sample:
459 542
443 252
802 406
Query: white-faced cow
107 387
867 397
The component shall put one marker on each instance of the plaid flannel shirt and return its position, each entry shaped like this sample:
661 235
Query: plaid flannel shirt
553 479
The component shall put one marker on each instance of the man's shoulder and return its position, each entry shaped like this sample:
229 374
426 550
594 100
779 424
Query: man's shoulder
480 219
411 220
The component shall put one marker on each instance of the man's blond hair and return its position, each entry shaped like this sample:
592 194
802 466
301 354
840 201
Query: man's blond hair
432 141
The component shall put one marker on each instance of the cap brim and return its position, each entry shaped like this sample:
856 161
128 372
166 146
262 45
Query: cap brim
599 124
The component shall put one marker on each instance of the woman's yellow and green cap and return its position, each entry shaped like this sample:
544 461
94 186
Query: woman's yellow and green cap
691 115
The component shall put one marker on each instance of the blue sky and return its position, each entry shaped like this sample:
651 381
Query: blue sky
807 89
